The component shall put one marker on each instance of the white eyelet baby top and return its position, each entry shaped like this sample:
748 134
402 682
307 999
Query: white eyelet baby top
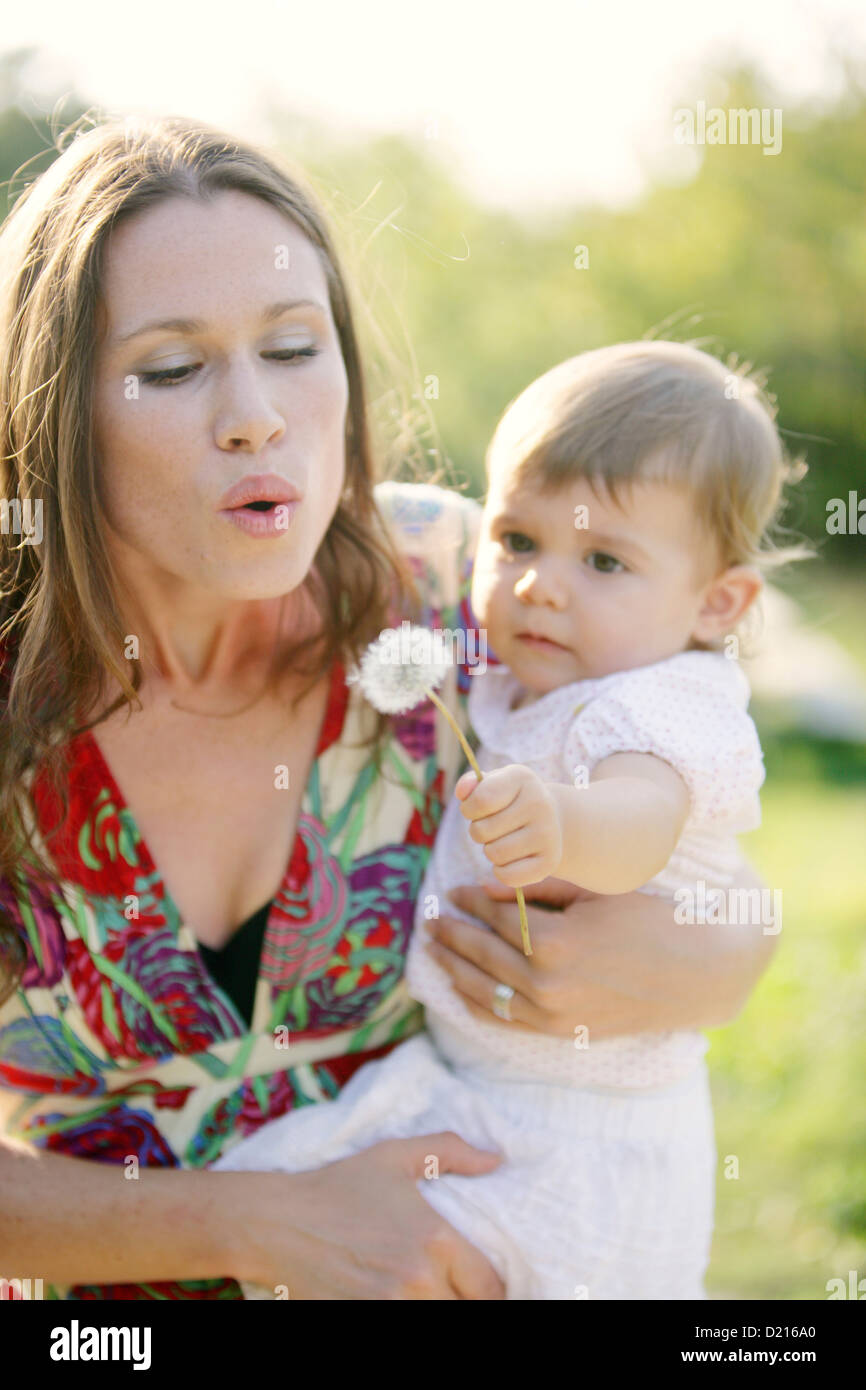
689 710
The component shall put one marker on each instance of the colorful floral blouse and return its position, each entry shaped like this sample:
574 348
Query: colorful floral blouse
119 1043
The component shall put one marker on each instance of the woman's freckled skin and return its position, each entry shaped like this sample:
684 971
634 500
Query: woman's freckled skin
166 457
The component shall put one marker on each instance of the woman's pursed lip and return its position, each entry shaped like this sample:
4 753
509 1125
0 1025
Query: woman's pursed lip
262 525
258 487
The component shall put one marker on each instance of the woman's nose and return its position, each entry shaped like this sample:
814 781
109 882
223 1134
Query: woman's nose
247 416
249 429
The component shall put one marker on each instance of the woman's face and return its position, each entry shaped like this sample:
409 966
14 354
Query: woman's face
256 385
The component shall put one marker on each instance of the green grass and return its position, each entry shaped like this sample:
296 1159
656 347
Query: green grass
831 600
788 1074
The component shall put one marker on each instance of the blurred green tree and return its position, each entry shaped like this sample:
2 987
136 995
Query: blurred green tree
463 304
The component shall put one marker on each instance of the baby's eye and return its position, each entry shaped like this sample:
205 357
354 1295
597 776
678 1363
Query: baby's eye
513 540
602 562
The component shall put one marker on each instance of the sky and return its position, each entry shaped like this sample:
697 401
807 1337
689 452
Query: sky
543 104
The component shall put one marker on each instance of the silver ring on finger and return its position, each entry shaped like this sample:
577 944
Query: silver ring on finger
502 997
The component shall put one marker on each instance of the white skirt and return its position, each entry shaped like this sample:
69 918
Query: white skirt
601 1193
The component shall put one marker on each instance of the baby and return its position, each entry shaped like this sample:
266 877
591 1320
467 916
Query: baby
631 492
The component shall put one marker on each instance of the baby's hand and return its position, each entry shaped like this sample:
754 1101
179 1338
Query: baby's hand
515 818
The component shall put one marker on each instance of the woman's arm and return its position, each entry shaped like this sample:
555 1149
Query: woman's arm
358 1229
615 965
75 1221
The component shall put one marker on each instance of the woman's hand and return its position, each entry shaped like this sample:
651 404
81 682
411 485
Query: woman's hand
514 817
614 964
360 1229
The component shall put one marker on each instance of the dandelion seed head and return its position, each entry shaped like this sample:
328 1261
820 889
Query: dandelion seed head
397 670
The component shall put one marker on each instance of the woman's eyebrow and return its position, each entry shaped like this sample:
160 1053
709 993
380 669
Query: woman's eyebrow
273 311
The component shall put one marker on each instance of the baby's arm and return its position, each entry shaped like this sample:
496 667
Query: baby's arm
622 829
610 836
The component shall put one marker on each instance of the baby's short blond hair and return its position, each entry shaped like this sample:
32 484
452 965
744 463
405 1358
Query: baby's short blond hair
661 411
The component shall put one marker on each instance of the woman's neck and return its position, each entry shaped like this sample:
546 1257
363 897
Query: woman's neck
213 660
201 643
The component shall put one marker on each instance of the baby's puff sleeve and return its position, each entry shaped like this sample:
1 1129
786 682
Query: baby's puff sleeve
689 711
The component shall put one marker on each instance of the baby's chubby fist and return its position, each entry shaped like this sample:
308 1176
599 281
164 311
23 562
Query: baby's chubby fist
513 814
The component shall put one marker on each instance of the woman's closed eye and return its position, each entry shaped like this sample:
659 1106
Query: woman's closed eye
171 376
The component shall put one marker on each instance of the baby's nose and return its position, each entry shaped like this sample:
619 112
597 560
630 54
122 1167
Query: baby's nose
535 587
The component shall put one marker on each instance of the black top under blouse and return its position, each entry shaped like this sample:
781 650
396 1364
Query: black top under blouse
235 967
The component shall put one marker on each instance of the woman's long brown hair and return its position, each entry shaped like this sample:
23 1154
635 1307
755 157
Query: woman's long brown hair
60 627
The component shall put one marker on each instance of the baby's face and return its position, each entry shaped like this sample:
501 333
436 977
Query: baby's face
617 586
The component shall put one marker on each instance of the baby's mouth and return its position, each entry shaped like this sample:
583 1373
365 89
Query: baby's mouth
540 642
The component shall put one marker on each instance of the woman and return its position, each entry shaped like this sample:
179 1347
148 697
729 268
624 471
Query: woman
209 846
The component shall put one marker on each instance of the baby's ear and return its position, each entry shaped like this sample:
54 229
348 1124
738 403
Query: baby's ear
726 599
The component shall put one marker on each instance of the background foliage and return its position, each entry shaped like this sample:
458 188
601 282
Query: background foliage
760 256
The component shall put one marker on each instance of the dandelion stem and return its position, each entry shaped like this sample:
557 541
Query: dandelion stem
431 695
521 902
